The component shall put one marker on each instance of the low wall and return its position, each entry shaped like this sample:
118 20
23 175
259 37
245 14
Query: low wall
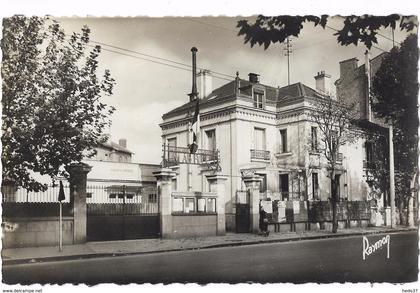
35 231
122 227
194 225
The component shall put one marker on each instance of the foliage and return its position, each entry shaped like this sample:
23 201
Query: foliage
52 109
268 30
377 166
394 97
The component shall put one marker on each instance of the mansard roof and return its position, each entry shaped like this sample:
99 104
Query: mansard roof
228 92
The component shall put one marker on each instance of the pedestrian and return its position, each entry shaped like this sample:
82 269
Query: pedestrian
263 222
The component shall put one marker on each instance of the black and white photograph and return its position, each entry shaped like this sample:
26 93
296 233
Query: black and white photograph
266 147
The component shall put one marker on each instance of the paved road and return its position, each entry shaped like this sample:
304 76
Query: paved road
329 260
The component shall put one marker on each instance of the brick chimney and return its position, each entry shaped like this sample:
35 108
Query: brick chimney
123 142
323 82
205 83
348 67
254 78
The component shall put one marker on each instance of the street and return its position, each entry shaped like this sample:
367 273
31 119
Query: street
325 261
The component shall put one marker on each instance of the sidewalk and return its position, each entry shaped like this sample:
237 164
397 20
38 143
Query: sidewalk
141 246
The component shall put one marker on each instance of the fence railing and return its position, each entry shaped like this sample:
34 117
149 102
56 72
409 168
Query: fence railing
21 195
318 211
260 154
94 194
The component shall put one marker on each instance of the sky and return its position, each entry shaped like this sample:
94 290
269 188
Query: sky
145 90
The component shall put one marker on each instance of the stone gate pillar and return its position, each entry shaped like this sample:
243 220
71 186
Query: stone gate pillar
164 185
252 183
217 184
78 178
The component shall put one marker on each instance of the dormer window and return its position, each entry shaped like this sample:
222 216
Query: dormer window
258 99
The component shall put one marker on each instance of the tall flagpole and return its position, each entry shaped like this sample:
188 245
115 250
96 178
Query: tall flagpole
193 95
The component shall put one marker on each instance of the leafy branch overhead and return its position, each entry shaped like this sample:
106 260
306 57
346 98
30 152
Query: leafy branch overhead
53 113
267 30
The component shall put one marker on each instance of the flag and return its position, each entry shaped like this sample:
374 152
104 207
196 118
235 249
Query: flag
195 128
61 195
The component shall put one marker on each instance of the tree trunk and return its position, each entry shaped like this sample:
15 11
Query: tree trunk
401 212
334 205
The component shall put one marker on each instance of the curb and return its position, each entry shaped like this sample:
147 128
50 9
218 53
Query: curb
220 245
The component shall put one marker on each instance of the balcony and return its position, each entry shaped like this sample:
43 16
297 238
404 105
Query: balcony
260 155
173 156
368 165
339 159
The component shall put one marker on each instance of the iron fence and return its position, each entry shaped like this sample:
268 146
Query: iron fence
114 194
20 195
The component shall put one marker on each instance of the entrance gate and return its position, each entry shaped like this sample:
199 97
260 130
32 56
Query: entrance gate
242 216
126 215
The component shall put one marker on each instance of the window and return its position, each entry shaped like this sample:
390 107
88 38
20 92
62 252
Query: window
211 140
314 139
259 139
263 183
315 186
284 186
89 195
283 140
172 156
112 195
369 154
258 99
152 198
337 185
174 184
334 141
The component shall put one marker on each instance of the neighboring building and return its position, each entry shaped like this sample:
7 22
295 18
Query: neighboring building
114 178
354 85
113 152
264 130
355 82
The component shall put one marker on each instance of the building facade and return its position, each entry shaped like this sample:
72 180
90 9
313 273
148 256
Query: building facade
263 130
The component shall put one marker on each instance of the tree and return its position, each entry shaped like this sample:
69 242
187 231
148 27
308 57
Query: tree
335 122
267 30
377 161
394 96
52 110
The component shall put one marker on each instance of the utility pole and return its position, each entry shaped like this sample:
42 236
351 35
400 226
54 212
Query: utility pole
288 52
391 176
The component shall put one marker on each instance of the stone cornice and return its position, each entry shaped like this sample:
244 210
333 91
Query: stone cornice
222 112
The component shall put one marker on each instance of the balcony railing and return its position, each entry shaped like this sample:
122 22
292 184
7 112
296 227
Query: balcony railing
339 158
368 165
173 156
260 155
